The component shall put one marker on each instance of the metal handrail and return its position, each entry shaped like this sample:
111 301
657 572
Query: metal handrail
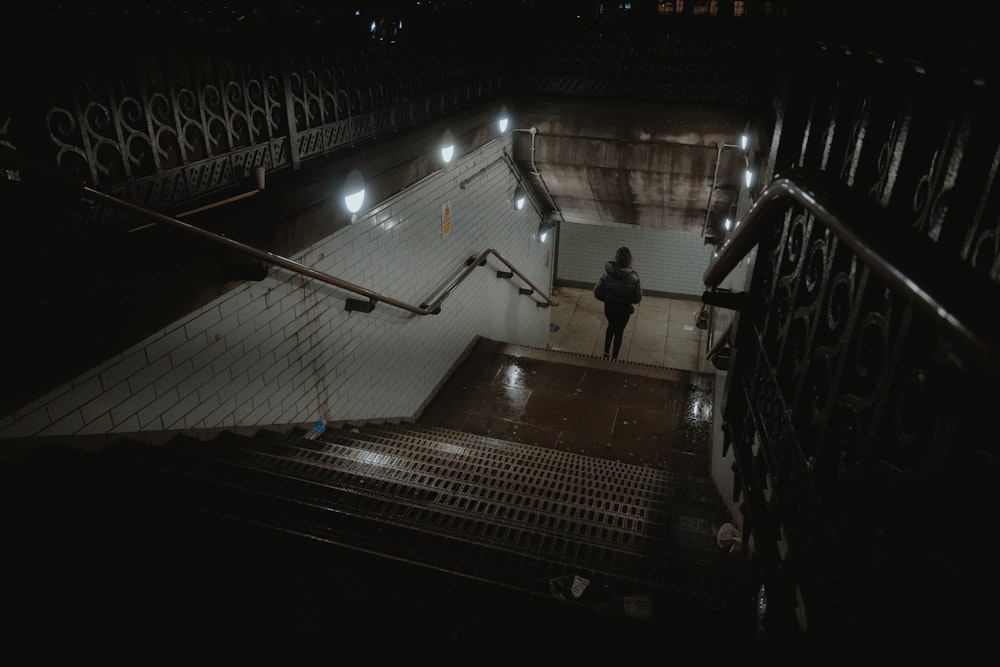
474 262
938 284
720 343
266 256
70 181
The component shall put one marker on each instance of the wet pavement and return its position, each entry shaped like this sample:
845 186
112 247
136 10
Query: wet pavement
262 596
634 413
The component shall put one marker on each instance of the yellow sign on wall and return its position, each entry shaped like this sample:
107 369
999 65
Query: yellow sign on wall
445 219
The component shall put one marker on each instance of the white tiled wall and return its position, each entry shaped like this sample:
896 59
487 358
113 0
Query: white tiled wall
284 350
672 262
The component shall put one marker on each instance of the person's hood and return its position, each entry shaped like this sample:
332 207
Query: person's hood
616 271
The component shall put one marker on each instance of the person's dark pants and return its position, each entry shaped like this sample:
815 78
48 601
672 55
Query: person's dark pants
617 316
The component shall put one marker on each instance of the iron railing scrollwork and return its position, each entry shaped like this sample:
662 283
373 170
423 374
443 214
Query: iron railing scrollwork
176 122
865 364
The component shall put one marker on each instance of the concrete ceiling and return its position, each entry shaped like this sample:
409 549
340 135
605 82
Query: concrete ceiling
651 165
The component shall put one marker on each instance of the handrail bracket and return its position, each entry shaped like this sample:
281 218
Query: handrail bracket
359 305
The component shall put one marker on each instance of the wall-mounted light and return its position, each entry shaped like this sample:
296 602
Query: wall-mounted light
728 224
503 120
747 176
447 146
543 230
520 198
354 191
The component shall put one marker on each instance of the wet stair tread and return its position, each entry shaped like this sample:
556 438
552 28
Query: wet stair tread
225 492
684 544
668 567
405 528
320 593
638 507
578 359
550 490
174 485
690 488
526 460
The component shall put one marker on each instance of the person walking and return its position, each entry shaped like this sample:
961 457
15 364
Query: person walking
620 290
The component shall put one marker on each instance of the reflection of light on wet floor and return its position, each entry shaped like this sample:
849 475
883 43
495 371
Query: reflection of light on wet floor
699 409
513 375
449 448
374 458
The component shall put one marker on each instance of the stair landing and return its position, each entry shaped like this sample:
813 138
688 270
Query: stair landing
634 413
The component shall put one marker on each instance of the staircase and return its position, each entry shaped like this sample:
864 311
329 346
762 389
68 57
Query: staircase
403 543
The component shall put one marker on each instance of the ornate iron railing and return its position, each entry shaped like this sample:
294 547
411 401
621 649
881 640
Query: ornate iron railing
864 368
169 120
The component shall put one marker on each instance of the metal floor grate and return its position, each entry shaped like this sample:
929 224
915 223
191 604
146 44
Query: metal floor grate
609 518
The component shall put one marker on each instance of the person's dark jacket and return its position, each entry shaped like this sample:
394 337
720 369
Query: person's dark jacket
618 285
